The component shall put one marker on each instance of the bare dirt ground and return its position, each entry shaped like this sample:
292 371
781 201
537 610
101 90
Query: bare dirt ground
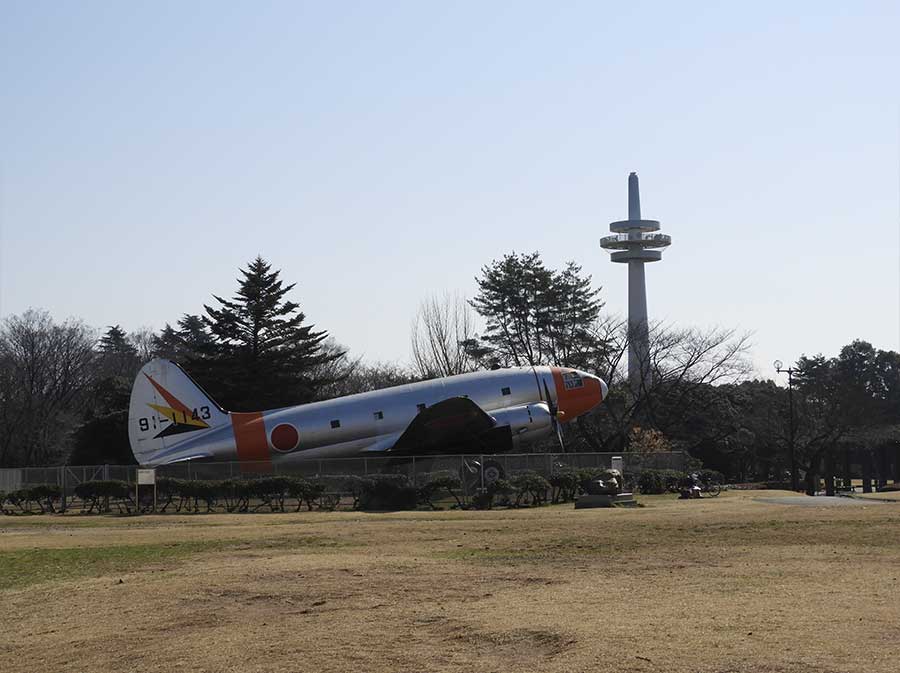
727 584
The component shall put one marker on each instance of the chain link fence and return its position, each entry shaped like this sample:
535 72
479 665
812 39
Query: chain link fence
474 470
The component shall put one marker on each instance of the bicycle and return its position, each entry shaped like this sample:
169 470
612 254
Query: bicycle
709 488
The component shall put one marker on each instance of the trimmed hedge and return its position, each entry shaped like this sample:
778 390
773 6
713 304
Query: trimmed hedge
531 488
274 494
435 483
99 495
654 482
499 488
564 484
45 497
380 492
384 492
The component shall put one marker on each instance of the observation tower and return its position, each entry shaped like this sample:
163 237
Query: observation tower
636 242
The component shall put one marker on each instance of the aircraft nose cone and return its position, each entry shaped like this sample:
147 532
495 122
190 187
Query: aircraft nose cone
576 392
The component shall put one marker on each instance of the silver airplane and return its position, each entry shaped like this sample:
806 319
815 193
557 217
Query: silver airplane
172 419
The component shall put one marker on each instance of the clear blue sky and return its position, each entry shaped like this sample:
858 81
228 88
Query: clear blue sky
379 152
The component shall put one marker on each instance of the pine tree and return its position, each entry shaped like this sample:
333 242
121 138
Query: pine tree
572 309
262 354
189 342
115 340
118 356
102 436
535 315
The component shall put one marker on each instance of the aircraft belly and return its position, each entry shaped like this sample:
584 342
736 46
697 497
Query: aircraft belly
350 449
216 444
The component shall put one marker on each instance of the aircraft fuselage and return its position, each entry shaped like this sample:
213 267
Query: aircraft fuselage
372 423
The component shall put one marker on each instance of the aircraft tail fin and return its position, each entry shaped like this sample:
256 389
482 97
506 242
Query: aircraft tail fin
168 410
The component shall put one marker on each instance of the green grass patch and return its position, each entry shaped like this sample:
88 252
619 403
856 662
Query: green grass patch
79 520
24 567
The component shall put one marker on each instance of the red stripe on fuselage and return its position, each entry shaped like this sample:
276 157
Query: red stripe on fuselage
251 441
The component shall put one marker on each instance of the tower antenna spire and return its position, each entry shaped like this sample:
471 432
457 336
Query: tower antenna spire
634 197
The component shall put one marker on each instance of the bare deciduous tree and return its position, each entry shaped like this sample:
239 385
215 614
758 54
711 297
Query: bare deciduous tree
45 369
686 369
372 376
143 339
442 328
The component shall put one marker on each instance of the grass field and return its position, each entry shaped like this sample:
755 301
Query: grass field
727 584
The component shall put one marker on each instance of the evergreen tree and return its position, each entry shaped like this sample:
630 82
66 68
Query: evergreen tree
535 315
114 340
102 436
189 342
118 357
262 355
571 315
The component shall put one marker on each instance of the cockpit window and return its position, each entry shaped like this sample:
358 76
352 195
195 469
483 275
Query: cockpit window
572 380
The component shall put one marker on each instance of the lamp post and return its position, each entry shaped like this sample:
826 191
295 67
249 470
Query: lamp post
795 486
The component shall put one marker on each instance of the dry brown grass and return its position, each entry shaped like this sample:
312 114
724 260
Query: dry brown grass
728 584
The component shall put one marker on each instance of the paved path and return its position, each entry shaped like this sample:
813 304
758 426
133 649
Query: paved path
818 501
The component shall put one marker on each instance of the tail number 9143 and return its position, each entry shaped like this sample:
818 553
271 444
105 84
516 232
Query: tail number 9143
201 414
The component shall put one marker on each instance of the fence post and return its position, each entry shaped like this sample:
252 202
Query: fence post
62 488
462 475
106 473
413 480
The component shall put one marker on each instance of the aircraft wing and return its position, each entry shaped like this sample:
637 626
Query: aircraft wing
454 422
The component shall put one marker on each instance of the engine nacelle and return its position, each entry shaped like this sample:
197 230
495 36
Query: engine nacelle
526 423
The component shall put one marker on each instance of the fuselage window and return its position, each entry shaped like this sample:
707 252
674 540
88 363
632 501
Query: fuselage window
420 407
379 415
505 391
335 424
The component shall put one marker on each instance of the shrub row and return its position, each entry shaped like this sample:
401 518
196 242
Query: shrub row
568 483
396 492
521 490
100 494
274 494
25 500
371 492
672 481
653 482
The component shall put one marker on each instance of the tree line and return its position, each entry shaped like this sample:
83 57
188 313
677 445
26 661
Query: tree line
64 392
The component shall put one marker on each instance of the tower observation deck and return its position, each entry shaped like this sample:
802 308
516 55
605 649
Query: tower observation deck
636 242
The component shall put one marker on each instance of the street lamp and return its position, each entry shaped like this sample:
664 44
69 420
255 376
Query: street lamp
790 372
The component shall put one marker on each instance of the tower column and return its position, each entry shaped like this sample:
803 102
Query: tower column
636 242
638 332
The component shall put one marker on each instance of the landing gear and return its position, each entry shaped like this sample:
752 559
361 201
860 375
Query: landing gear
475 475
492 472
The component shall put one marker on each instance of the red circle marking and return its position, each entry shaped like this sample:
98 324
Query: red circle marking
285 437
